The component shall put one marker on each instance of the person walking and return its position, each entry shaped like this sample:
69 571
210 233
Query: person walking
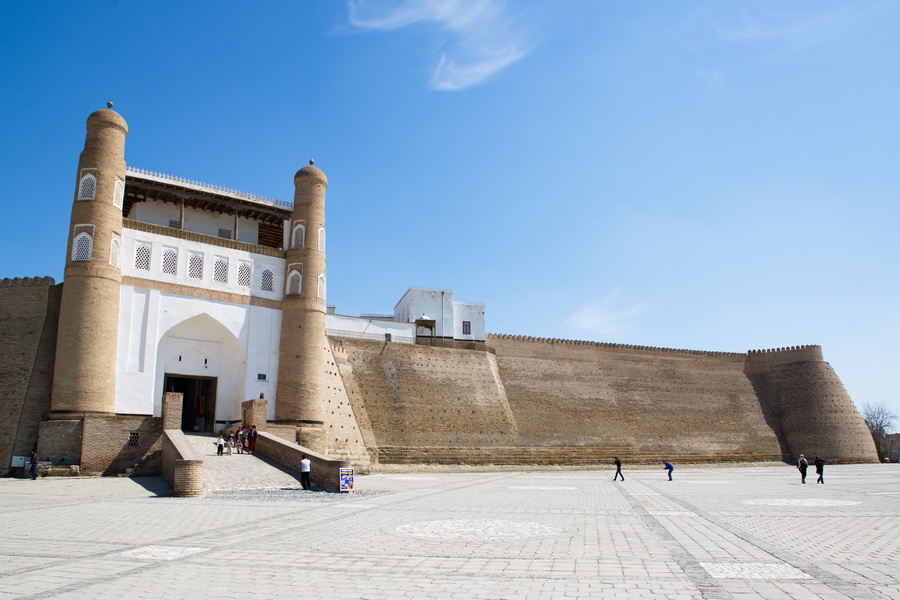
220 445
618 464
668 467
305 467
34 464
238 443
251 439
820 469
229 444
802 464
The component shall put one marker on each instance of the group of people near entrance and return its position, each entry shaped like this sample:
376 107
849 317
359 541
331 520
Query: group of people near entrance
802 464
242 439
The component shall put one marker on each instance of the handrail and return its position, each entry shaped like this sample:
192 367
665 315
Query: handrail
217 189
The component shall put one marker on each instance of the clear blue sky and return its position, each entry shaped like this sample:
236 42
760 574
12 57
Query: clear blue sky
704 175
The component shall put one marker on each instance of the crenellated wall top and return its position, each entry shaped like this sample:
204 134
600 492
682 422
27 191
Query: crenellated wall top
783 356
612 345
27 281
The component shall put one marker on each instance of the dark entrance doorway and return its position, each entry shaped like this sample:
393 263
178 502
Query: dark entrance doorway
198 411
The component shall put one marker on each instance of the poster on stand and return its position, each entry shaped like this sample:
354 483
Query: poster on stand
346 479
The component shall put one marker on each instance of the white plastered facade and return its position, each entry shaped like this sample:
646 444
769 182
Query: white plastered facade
448 315
163 332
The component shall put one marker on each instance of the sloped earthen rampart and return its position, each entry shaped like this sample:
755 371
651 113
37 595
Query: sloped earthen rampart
633 400
409 396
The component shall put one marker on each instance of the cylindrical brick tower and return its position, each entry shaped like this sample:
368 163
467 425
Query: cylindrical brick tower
84 380
301 367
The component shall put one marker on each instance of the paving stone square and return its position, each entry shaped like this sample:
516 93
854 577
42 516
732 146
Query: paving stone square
737 532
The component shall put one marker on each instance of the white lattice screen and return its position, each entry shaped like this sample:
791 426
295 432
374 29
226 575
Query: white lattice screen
142 258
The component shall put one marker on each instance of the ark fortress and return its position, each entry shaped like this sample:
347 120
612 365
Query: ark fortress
176 286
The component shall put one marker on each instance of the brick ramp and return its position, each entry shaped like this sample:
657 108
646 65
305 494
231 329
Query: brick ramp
238 471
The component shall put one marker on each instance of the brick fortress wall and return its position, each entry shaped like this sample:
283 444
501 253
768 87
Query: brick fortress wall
29 315
559 401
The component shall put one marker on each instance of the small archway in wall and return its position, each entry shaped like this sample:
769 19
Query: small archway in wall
204 361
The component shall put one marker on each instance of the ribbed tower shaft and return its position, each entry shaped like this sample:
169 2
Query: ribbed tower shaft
84 379
301 368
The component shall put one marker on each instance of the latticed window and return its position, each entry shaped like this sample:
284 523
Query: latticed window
220 270
225 233
321 290
295 283
299 237
322 239
87 188
195 266
82 246
114 253
175 223
268 281
170 261
244 274
142 258
119 193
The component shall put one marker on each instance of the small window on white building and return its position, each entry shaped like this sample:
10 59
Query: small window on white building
195 266
225 234
322 239
268 281
295 283
467 327
87 188
299 236
119 193
175 223
321 290
82 246
244 274
170 261
114 248
220 269
142 257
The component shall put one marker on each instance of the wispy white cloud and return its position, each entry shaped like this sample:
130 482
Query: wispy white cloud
607 316
794 30
477 38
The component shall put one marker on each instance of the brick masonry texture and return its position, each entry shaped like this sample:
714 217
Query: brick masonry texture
113 444
29 316
182 467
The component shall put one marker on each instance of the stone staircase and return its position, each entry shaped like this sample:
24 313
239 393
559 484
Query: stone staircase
239 471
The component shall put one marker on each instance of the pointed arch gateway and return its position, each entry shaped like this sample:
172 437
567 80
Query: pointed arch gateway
201 359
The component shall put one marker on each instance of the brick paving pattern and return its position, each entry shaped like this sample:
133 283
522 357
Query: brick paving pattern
743 533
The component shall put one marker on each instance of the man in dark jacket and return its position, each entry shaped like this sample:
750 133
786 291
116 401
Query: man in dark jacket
820 469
